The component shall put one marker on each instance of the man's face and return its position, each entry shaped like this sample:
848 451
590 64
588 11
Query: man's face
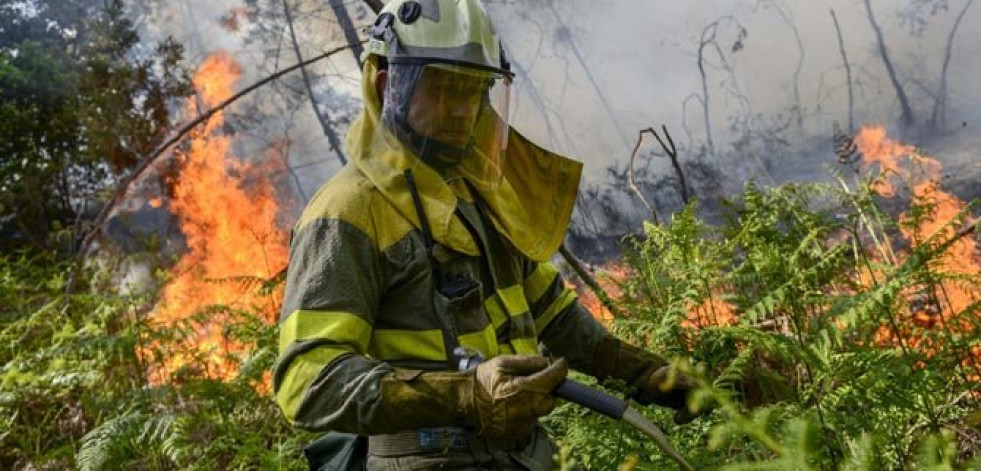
445 105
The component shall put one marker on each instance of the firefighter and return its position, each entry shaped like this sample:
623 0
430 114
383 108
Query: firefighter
435 239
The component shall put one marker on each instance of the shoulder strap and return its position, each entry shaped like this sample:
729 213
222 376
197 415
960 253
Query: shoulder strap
450 340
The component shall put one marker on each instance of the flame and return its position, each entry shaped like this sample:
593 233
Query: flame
610 278
227 211
930 314
943 307
711 312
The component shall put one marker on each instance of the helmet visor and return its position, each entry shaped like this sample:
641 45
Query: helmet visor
453 117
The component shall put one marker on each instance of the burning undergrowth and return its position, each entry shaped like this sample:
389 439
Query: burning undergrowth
820 318
830 331
229 213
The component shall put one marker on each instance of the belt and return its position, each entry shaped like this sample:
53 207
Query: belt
424 440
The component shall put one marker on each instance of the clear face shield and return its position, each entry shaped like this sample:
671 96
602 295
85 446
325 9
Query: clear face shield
453 117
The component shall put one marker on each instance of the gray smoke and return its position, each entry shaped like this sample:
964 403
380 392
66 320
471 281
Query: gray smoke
592 73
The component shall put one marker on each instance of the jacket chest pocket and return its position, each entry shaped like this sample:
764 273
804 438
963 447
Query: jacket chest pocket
460 297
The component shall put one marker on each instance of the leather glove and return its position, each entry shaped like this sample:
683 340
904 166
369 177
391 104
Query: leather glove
502 398
669 390
648 375
511 392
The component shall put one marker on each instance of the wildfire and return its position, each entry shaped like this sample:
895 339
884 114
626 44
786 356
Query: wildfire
609 278
227 212
942 306
711 312
930 313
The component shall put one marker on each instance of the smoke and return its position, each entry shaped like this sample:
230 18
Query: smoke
641 59
593 73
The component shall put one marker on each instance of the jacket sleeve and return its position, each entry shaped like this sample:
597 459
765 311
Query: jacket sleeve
569 330
322 379
566 328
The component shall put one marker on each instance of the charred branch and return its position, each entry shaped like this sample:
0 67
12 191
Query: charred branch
667 144
848 74
968 229
785 17
347 26
325 125
587 278
709 41
703 42
375 5
672 152
633 183
589 74
292 171
908 118
939 118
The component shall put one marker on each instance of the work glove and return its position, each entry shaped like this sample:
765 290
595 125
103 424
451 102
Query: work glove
669 389
648 376
501 398
511 392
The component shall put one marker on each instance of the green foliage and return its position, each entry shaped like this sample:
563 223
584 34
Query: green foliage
80 105
800 314
75 391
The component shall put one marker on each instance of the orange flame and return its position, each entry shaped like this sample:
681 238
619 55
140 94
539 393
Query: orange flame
941 307
712 312
609 277
227 211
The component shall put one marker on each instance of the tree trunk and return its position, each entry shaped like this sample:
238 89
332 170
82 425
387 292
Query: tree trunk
325 125
939 118
347 26
848 75
900 93
705 93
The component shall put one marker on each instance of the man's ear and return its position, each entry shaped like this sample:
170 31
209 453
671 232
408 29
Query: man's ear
381 78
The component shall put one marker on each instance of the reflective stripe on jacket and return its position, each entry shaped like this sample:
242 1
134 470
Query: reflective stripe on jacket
360 293
360 297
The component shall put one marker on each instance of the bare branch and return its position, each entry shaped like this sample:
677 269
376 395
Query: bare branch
848 75
884 53
630 175
968 229
587 278
375 5
589 75
939 118
347 26
785 16
672 151
325 125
